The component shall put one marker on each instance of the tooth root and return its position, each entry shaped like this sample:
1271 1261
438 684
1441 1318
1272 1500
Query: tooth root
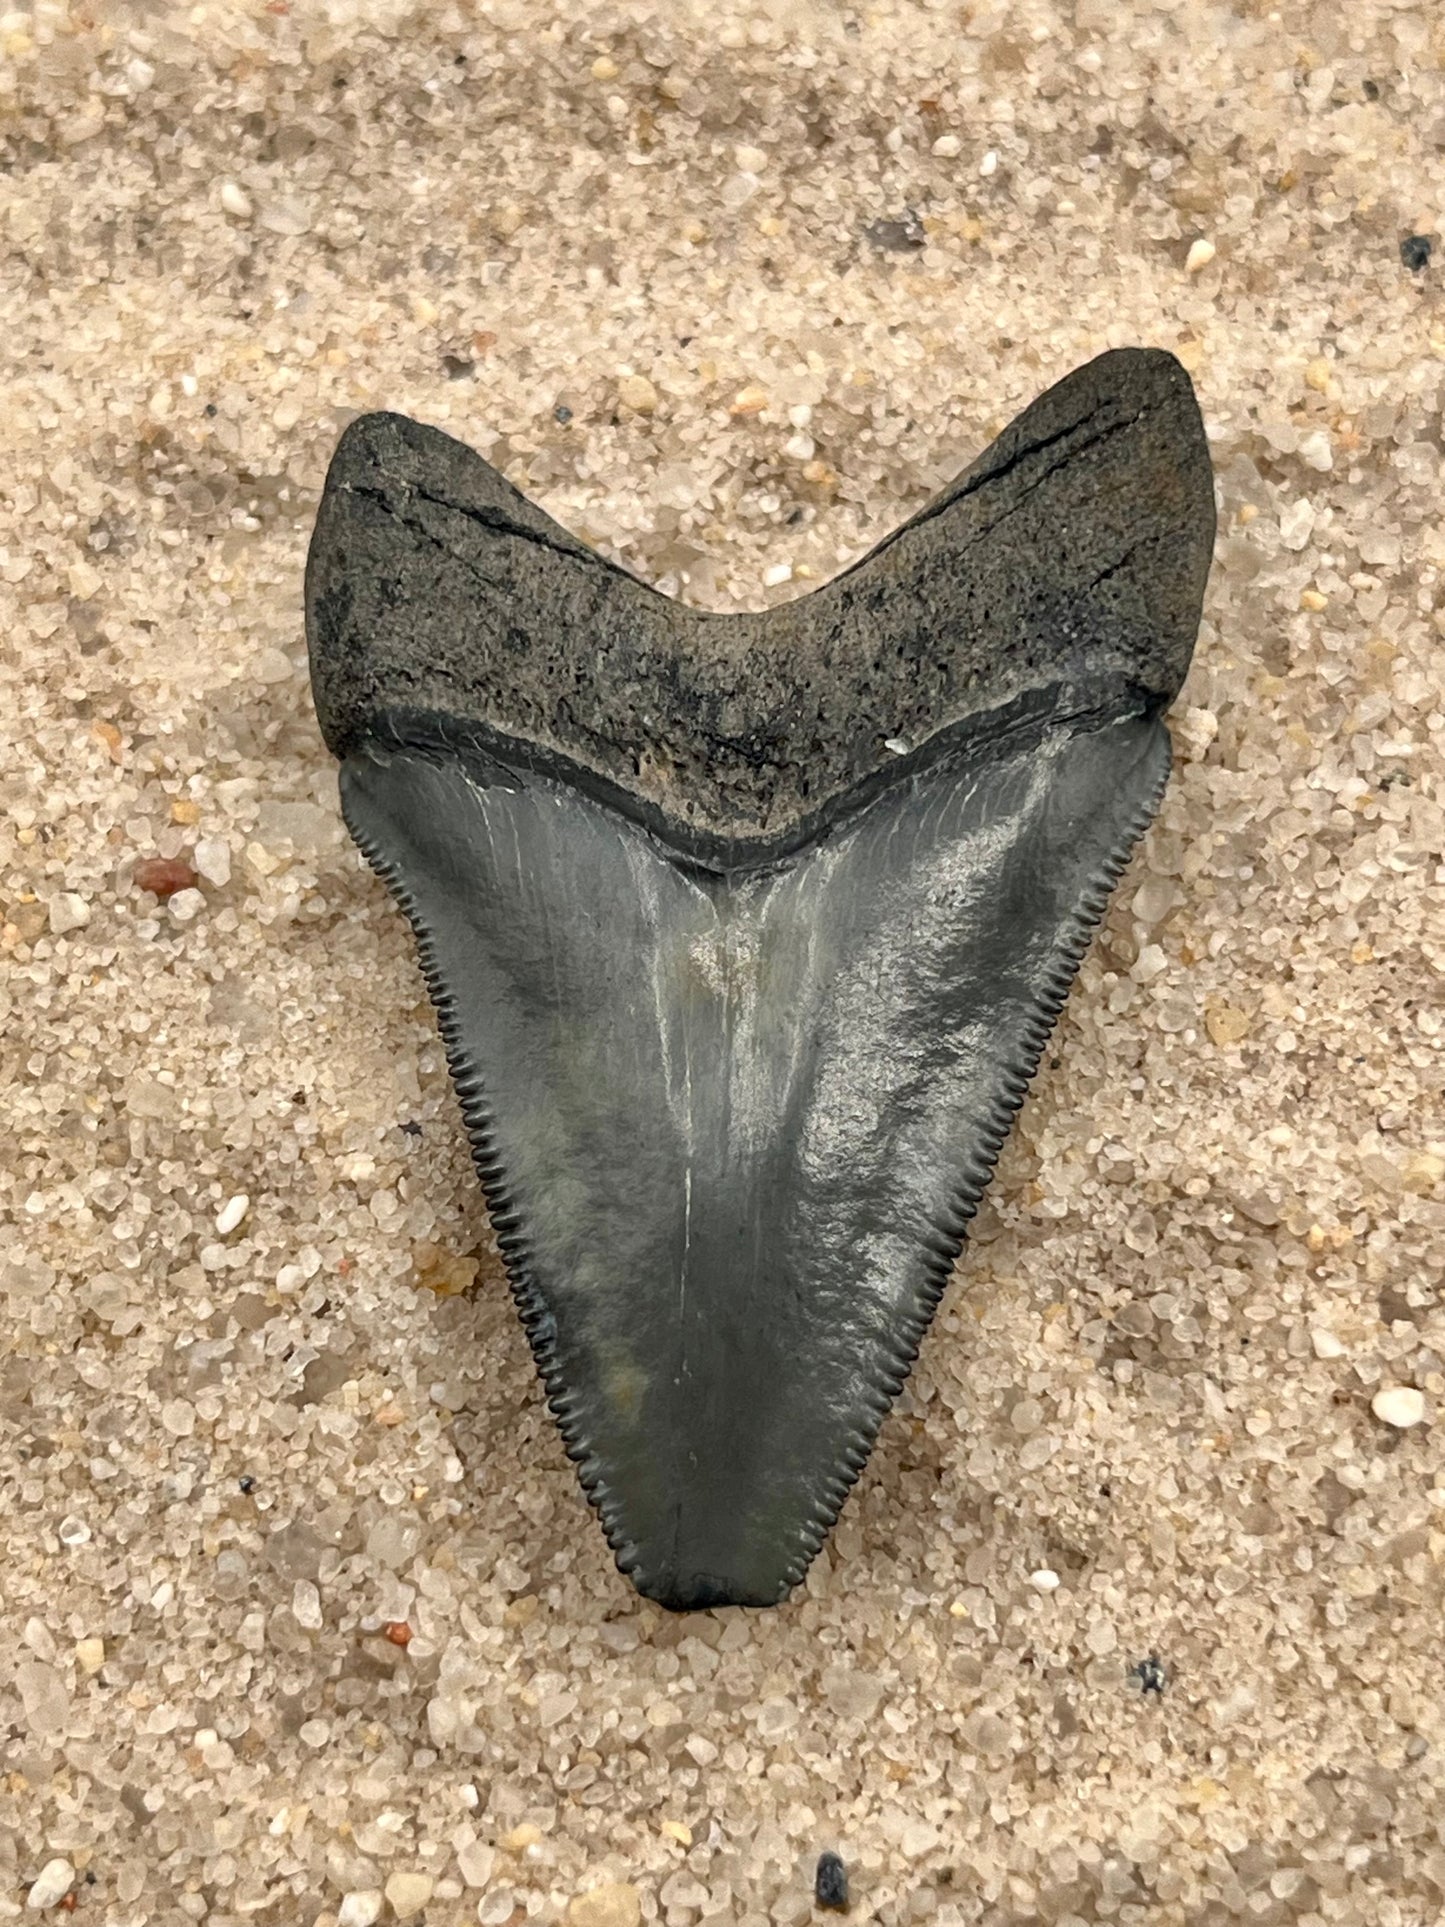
738 1039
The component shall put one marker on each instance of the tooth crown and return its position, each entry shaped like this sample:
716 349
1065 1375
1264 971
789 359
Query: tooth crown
739 1002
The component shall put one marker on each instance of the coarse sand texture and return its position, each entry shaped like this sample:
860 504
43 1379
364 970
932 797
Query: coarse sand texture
1135 1615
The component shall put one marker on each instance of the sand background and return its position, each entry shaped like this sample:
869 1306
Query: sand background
228 1456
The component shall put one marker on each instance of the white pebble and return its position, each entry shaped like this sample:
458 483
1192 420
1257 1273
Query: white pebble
1200 255
68 912
235 200
1154 899
409 1893
1296 522
1101 1638
306 1605
1037 1451
738 189
1196 729
947 146
274 665
52 1884
476 1862
1399 1405
360 1909
1044 1580
750 160
178 1416
637 393
186 905
1326 1344
45 1698
213 860
287 214
779 573
989 163
39 1638
776 1716
231 1213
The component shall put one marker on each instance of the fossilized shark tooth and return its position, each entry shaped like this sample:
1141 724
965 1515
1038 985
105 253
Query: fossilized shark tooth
746 931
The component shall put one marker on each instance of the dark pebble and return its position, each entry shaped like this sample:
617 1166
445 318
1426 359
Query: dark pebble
1415 251
163 876
830 1882
897 236
562 413
1150 1675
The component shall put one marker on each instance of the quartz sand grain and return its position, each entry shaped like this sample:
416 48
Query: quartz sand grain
307 1622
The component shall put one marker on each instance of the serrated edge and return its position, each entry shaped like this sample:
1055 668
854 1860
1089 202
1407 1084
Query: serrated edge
942 1239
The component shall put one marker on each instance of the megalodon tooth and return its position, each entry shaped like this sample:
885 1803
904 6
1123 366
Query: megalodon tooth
745 932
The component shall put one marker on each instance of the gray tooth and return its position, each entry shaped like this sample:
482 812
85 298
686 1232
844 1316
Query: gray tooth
741 999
